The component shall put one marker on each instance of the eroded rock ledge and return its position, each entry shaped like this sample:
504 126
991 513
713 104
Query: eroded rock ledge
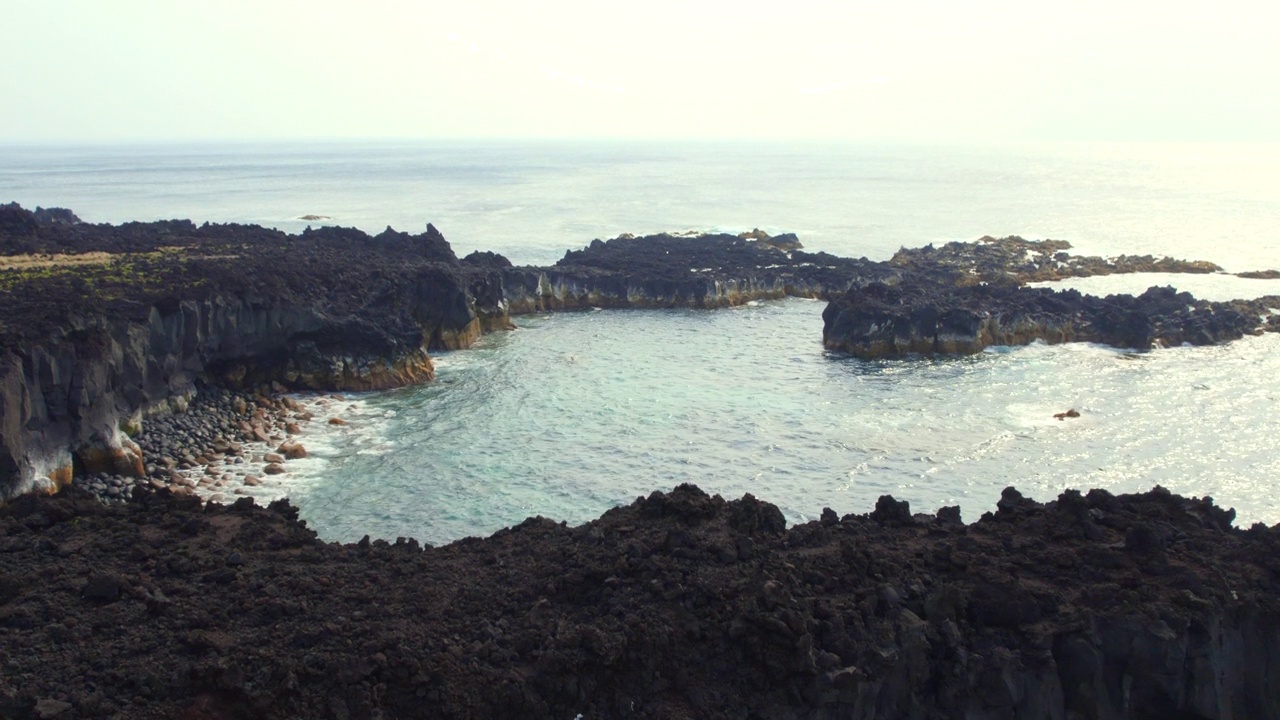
680 605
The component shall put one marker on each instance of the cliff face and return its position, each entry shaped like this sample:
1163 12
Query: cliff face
94 345
70 396
530 290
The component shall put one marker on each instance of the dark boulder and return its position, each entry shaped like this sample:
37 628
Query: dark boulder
486 259
56 216
16 221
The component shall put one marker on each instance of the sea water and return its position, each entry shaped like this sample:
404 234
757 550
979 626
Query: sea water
574 413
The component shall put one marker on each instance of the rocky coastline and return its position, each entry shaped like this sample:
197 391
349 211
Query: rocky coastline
964 297
148 368
107 329
221 446
680 605
928 318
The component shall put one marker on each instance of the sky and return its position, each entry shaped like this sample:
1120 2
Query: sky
857 70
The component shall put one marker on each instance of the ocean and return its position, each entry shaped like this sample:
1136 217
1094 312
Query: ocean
574 413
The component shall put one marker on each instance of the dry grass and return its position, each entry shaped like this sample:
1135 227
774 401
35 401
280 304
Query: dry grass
40 261
44 260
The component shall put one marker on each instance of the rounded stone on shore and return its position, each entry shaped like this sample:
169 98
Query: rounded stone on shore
50 708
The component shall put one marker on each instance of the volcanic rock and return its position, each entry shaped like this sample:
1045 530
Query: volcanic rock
1097 605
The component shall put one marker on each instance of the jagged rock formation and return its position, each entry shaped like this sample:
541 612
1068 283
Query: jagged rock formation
704 271
680 605
917 316
963 297
1014 259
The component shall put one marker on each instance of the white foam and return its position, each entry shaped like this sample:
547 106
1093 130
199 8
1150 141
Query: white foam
362 431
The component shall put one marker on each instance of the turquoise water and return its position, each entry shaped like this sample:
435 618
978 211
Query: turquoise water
574 413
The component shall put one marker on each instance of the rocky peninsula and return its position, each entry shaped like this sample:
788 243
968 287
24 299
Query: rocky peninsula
964 297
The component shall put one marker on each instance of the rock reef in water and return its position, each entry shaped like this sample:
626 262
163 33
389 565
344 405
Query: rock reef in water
964 297
1015 259
918 316
669 271
681 605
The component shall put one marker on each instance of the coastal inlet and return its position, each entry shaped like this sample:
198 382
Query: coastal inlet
112 330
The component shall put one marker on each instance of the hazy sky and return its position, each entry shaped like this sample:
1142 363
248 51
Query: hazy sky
904 70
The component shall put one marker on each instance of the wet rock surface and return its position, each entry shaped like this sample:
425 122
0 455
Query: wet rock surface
213 445
680 605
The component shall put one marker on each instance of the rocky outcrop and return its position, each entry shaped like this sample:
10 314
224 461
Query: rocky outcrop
671 271
56 216
1259 275
915 316
86 350
963 297
1014 259
680 605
